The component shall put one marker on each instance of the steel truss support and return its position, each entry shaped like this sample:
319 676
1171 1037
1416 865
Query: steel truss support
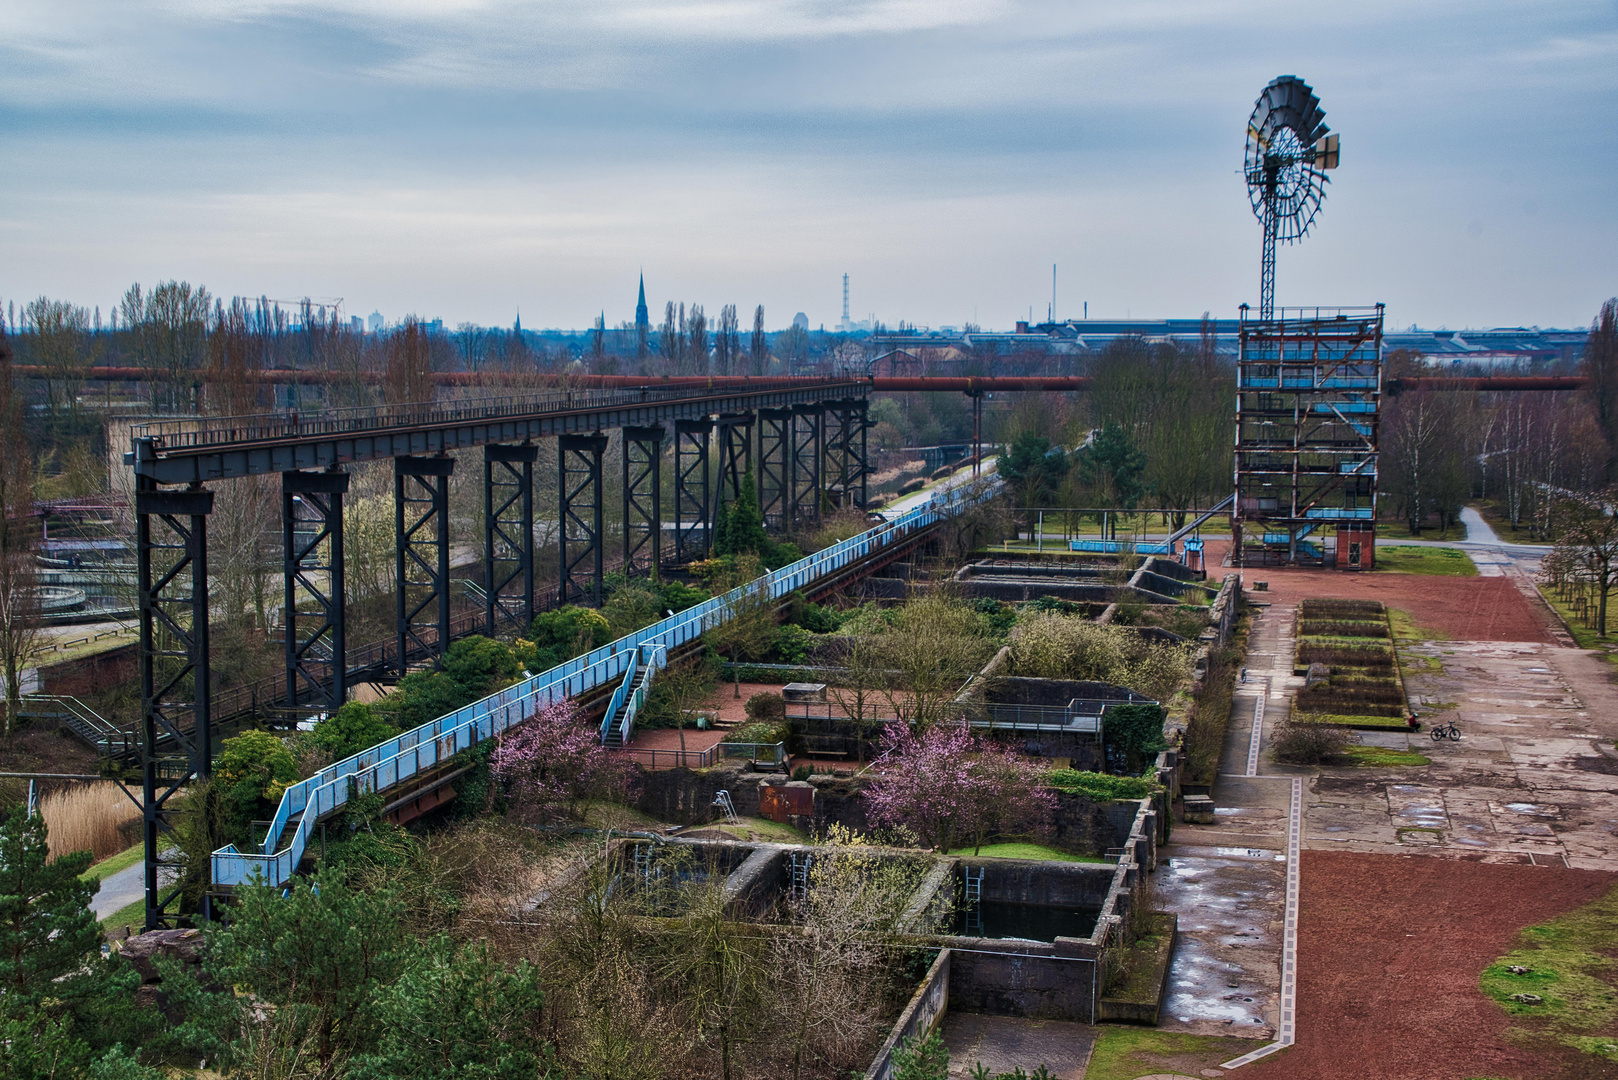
845 468
316 639
643 499
804 479
579 465
171 554
508 536
691 492
774 466
735 456
421 523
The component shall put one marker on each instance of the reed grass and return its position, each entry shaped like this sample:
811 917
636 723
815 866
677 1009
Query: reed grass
88 817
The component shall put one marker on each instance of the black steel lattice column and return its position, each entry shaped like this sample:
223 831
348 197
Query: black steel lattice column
643 499
312 534
171 555
854 458
774 466
582 567
735 456
508 536
808 436
421 521
691 502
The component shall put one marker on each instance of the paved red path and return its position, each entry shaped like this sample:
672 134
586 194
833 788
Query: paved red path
1389 953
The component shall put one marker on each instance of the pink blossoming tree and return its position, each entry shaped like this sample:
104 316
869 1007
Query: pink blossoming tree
553 762
948 787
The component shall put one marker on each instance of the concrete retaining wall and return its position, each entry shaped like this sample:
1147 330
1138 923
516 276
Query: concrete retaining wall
924 1013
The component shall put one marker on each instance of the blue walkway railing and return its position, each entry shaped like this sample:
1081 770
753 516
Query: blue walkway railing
397 760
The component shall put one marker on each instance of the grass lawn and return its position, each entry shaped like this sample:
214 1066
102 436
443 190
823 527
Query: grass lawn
1388 723
132 915
1380 756
1446 562
114 863
1405 628
1586 637
1026 851
1570 968
750 828
1124 1053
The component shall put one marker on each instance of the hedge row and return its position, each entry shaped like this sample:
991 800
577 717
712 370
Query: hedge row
1368 656
1342 628
1337 608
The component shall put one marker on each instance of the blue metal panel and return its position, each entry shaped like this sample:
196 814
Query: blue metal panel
383 767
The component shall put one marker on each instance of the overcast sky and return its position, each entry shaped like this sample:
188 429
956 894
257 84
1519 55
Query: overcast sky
466 159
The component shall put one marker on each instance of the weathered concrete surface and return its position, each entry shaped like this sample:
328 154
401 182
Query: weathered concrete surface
1226 970
1533 779
1004 1043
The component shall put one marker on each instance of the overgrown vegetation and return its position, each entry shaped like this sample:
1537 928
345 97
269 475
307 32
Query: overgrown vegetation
1048 646
1352 638
1204 740
1561 982
1100 785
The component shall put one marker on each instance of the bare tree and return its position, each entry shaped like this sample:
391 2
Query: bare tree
727 342
59 341
1588 543
168 331
1601 371
748 631
696 330
935 646
408 376
760 343
19 587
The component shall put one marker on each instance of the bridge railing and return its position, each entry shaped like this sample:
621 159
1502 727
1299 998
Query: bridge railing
195 433
423 748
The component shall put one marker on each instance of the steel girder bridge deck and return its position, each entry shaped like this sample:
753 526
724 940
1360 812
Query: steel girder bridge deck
173 460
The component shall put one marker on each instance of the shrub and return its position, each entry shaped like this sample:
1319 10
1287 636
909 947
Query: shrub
352 728
1066 647
763 733
1136 730
558 636
631 607
813 617
802 772
1307 743
250 773
677 596
792 644
1099 785
766 707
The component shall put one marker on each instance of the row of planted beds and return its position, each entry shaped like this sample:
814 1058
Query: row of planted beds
1345 648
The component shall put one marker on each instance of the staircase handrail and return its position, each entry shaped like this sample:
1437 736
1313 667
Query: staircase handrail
406 755
620 694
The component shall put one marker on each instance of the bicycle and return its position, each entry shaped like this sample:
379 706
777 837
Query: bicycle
1440 732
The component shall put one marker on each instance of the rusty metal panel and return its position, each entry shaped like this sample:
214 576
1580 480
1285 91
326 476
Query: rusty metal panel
778 803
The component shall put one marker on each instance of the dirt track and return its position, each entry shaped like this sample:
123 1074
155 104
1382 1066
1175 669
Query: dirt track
1389 953
1461 608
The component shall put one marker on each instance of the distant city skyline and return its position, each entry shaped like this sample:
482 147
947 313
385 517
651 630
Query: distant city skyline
468 160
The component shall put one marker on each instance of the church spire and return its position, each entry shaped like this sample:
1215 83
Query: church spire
643 321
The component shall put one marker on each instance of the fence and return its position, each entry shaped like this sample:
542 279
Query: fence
432 744
673 759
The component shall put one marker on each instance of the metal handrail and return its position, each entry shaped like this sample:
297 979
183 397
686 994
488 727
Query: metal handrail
619 695
193 433
397 760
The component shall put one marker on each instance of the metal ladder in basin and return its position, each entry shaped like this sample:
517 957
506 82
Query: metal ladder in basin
974 902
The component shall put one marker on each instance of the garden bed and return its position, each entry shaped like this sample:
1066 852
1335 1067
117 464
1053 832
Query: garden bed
1353 639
